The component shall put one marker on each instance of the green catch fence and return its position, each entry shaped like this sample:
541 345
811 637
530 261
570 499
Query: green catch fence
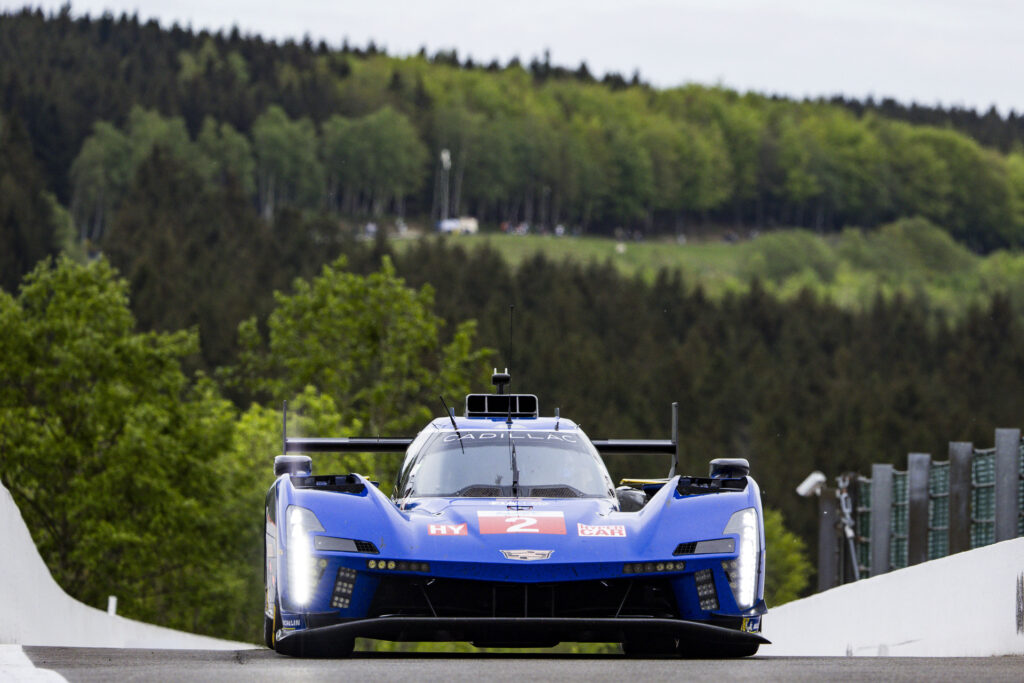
925 512
938 510
898 518
983 498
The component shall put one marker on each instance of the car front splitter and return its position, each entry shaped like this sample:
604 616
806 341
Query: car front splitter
511 631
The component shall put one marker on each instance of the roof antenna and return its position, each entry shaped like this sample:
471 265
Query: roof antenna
508 370
284 429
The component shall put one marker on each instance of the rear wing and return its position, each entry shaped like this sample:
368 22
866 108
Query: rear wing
401 443
347 445
636 446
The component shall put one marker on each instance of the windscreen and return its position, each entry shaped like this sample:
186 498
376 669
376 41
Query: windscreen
480 464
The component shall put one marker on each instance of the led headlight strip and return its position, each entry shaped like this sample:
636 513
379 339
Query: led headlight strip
303 570
742 572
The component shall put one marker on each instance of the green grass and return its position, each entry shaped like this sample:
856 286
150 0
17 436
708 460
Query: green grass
910 258
712 264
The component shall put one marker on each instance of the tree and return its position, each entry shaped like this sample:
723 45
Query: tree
105 167
100 176
194 255
288 169
110 451
377 158
27 217
371 343
226 155
787 569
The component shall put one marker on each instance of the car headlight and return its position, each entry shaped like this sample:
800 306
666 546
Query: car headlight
742 572
303 571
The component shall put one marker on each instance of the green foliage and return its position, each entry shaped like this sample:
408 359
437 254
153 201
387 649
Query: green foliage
110 451
100 173
777 256
195 255
225 154
787 570
372 160
544 145
371 343
28 219
288 169
910 258
246 470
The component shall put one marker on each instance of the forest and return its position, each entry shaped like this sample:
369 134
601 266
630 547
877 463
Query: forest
353 131
178 217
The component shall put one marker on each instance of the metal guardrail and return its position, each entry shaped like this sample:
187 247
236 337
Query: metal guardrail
930 510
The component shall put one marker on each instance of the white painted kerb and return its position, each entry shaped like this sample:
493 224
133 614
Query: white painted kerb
34 610
964 605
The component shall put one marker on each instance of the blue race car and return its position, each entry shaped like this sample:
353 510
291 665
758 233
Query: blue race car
504 530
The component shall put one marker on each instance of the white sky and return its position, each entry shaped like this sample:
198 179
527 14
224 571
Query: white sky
949 52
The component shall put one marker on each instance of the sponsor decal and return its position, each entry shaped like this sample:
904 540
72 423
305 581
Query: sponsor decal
514 436
447 529
751 625
603 530
527 555
494 522
290 623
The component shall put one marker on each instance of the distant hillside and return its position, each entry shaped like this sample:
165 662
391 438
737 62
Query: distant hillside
910 258
355 132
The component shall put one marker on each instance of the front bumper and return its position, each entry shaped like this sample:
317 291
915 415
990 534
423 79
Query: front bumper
511 631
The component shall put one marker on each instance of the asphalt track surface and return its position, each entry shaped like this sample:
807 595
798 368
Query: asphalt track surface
100 664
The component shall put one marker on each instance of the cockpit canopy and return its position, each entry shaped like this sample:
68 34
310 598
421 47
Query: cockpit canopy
479 464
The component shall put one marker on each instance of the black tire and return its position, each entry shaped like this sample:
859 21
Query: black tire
271 627
336 649
294 646
698 650
654 646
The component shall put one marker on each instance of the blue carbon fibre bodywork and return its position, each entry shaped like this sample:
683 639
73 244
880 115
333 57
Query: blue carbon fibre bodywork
456 540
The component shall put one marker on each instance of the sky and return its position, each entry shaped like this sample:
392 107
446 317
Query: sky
945 52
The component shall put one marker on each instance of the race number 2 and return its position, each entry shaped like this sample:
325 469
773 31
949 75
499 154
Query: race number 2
493 522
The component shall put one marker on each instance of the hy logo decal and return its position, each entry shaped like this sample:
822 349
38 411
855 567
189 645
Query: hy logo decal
447 529
527 555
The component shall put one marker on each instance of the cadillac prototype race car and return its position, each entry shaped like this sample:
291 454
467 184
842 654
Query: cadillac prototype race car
504 529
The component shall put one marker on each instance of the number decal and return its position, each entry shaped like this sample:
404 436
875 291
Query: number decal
521 524
541 522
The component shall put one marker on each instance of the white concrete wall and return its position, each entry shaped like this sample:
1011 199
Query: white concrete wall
964 605
34 610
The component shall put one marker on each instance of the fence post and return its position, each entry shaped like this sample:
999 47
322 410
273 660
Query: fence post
881 511
828 539
1007 474
960 454
918 470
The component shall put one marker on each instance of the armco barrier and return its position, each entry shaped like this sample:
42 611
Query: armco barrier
966 605
34 610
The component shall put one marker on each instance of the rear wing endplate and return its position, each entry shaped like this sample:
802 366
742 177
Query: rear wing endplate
646 446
